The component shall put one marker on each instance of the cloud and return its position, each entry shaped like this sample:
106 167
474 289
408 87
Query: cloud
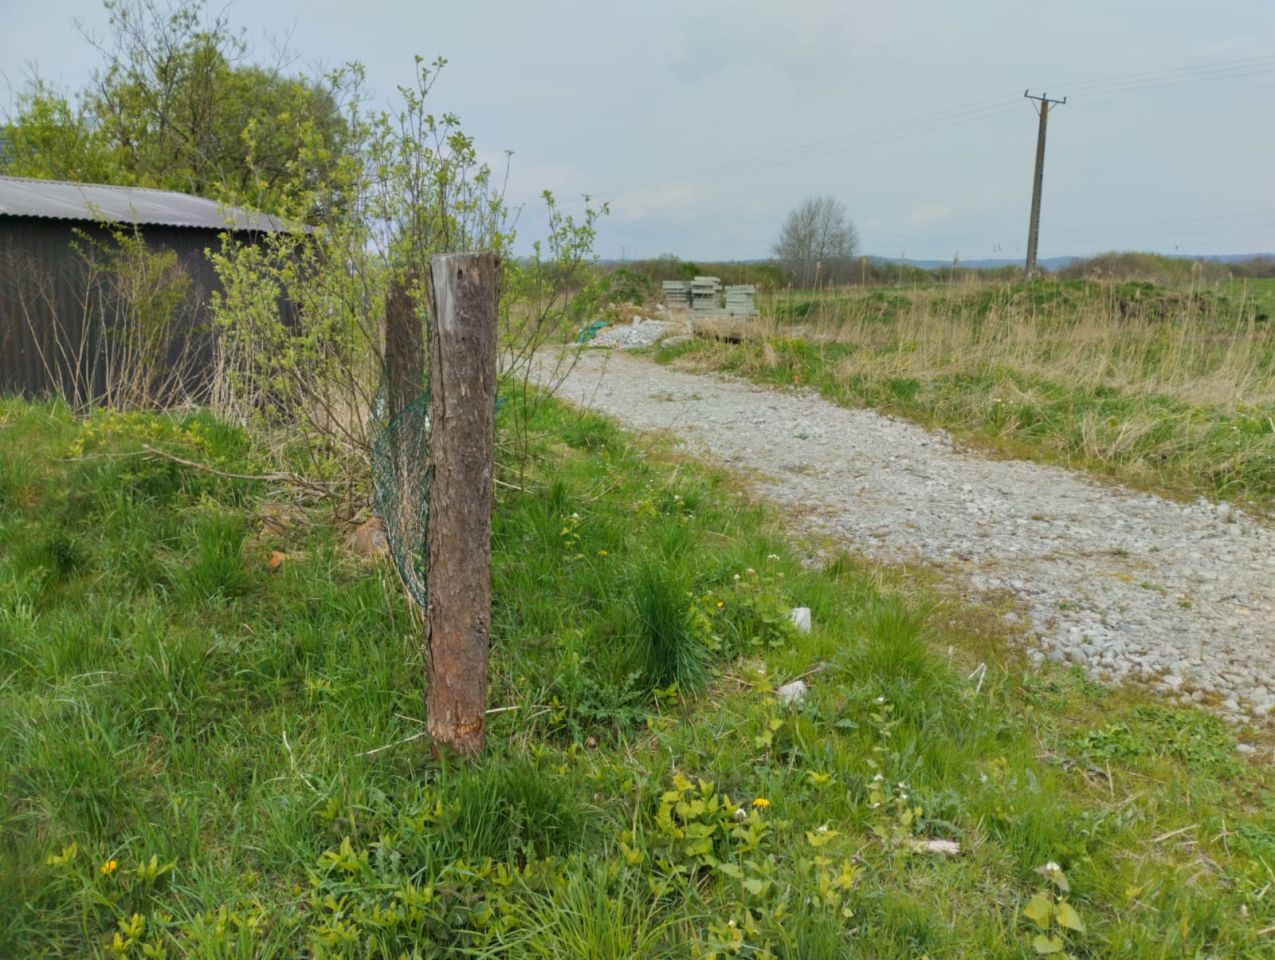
677 201
765 55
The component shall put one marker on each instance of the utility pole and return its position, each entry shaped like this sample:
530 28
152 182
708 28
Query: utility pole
1033 231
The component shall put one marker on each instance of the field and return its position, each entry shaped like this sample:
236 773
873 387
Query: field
205 754
1260 290
1172 389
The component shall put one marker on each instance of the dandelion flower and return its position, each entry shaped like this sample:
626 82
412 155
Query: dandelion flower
761 803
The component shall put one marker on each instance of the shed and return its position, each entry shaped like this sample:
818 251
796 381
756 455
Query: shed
104 290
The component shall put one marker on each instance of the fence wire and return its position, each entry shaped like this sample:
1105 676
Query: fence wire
400 486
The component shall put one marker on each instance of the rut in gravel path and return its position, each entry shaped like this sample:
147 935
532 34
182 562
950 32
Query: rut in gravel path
1127 584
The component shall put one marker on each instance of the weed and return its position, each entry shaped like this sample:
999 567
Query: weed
1053 915
184 738
669 650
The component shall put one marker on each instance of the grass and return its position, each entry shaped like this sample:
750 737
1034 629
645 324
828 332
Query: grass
1172 390
185 737
1259 290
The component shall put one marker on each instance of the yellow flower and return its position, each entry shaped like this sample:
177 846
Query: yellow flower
109 867
761 803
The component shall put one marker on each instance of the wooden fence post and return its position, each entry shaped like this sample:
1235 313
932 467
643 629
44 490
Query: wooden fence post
464 292
404 348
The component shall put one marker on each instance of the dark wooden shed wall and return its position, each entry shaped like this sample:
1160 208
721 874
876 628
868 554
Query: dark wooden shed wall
42 279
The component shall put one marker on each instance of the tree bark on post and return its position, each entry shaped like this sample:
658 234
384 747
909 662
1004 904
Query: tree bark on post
463 289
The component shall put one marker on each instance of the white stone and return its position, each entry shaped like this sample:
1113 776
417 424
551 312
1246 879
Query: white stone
792 692
800 617
949 848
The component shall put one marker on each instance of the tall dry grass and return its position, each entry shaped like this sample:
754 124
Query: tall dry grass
1172 389
1194 346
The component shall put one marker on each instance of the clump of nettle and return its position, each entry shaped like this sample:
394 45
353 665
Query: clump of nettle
1055 919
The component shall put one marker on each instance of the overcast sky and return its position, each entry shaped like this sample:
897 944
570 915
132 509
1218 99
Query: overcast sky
703 122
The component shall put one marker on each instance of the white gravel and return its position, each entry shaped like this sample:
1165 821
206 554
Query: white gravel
641 332
1127 584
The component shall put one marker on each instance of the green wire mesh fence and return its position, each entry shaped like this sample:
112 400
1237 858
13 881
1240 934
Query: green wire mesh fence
400 486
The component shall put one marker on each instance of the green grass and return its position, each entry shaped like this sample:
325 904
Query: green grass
1260 290
164 695
1171 390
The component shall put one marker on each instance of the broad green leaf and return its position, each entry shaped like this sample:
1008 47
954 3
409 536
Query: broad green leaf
820 838
1044 945
1068 917
1039 911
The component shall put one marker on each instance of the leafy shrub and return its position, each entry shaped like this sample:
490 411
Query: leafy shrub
628 286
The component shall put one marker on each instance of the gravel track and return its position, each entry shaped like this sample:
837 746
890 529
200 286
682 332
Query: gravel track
1127 584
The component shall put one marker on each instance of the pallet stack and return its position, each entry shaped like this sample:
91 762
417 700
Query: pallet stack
739 300
705 294
677 293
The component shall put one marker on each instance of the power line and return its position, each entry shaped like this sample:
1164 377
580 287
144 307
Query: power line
866 137
1267 217
975 111
1220 69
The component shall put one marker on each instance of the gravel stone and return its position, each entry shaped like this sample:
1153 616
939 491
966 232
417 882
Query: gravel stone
1180 595
642 332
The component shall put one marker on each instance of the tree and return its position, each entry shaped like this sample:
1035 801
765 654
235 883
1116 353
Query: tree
320 381
817 242
176 105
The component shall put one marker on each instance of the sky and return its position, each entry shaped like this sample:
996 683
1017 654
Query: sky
703 122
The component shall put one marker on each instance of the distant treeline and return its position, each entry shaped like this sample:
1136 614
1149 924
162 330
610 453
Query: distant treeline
768 275
639 280
1158 268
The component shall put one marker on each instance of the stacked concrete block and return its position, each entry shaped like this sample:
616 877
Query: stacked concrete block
705 295
739 300
677 293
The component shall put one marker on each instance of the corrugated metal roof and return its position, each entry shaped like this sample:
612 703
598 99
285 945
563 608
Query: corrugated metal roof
62 200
